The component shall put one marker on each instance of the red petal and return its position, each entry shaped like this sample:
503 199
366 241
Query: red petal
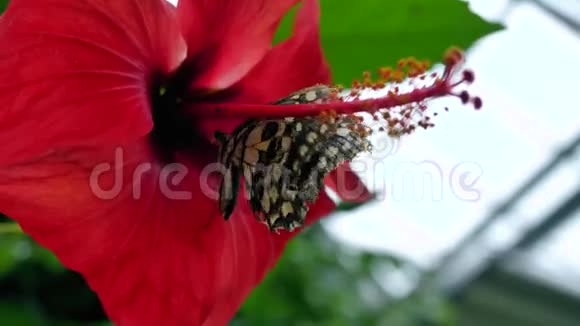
153 259
347 185
77 72
292 65
223 311
228 37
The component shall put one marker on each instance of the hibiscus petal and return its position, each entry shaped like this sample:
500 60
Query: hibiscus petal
226 38
77 72
347 185
224 310
291 65
154 255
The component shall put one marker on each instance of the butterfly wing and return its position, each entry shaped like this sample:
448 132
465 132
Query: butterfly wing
284 162
285 170
230 157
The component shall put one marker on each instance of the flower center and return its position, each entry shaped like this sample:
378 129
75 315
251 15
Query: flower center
174 128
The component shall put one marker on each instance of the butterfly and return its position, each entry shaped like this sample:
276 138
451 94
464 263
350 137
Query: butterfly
283 162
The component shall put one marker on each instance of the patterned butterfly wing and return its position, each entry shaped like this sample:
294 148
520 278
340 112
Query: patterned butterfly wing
284 161
289 185
246 151
230 156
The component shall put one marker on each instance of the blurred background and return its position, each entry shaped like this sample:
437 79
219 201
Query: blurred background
476 221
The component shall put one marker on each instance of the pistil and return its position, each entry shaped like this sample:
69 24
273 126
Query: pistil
409 73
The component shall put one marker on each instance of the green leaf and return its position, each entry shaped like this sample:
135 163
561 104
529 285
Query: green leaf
349 206
3 4
18 314
367 34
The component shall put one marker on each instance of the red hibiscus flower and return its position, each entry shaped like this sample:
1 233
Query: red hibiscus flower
108 106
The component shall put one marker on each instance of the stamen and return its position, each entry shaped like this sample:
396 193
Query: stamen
402 109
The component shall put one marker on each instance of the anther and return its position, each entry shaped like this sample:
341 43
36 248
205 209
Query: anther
468 76
464 96
477 102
